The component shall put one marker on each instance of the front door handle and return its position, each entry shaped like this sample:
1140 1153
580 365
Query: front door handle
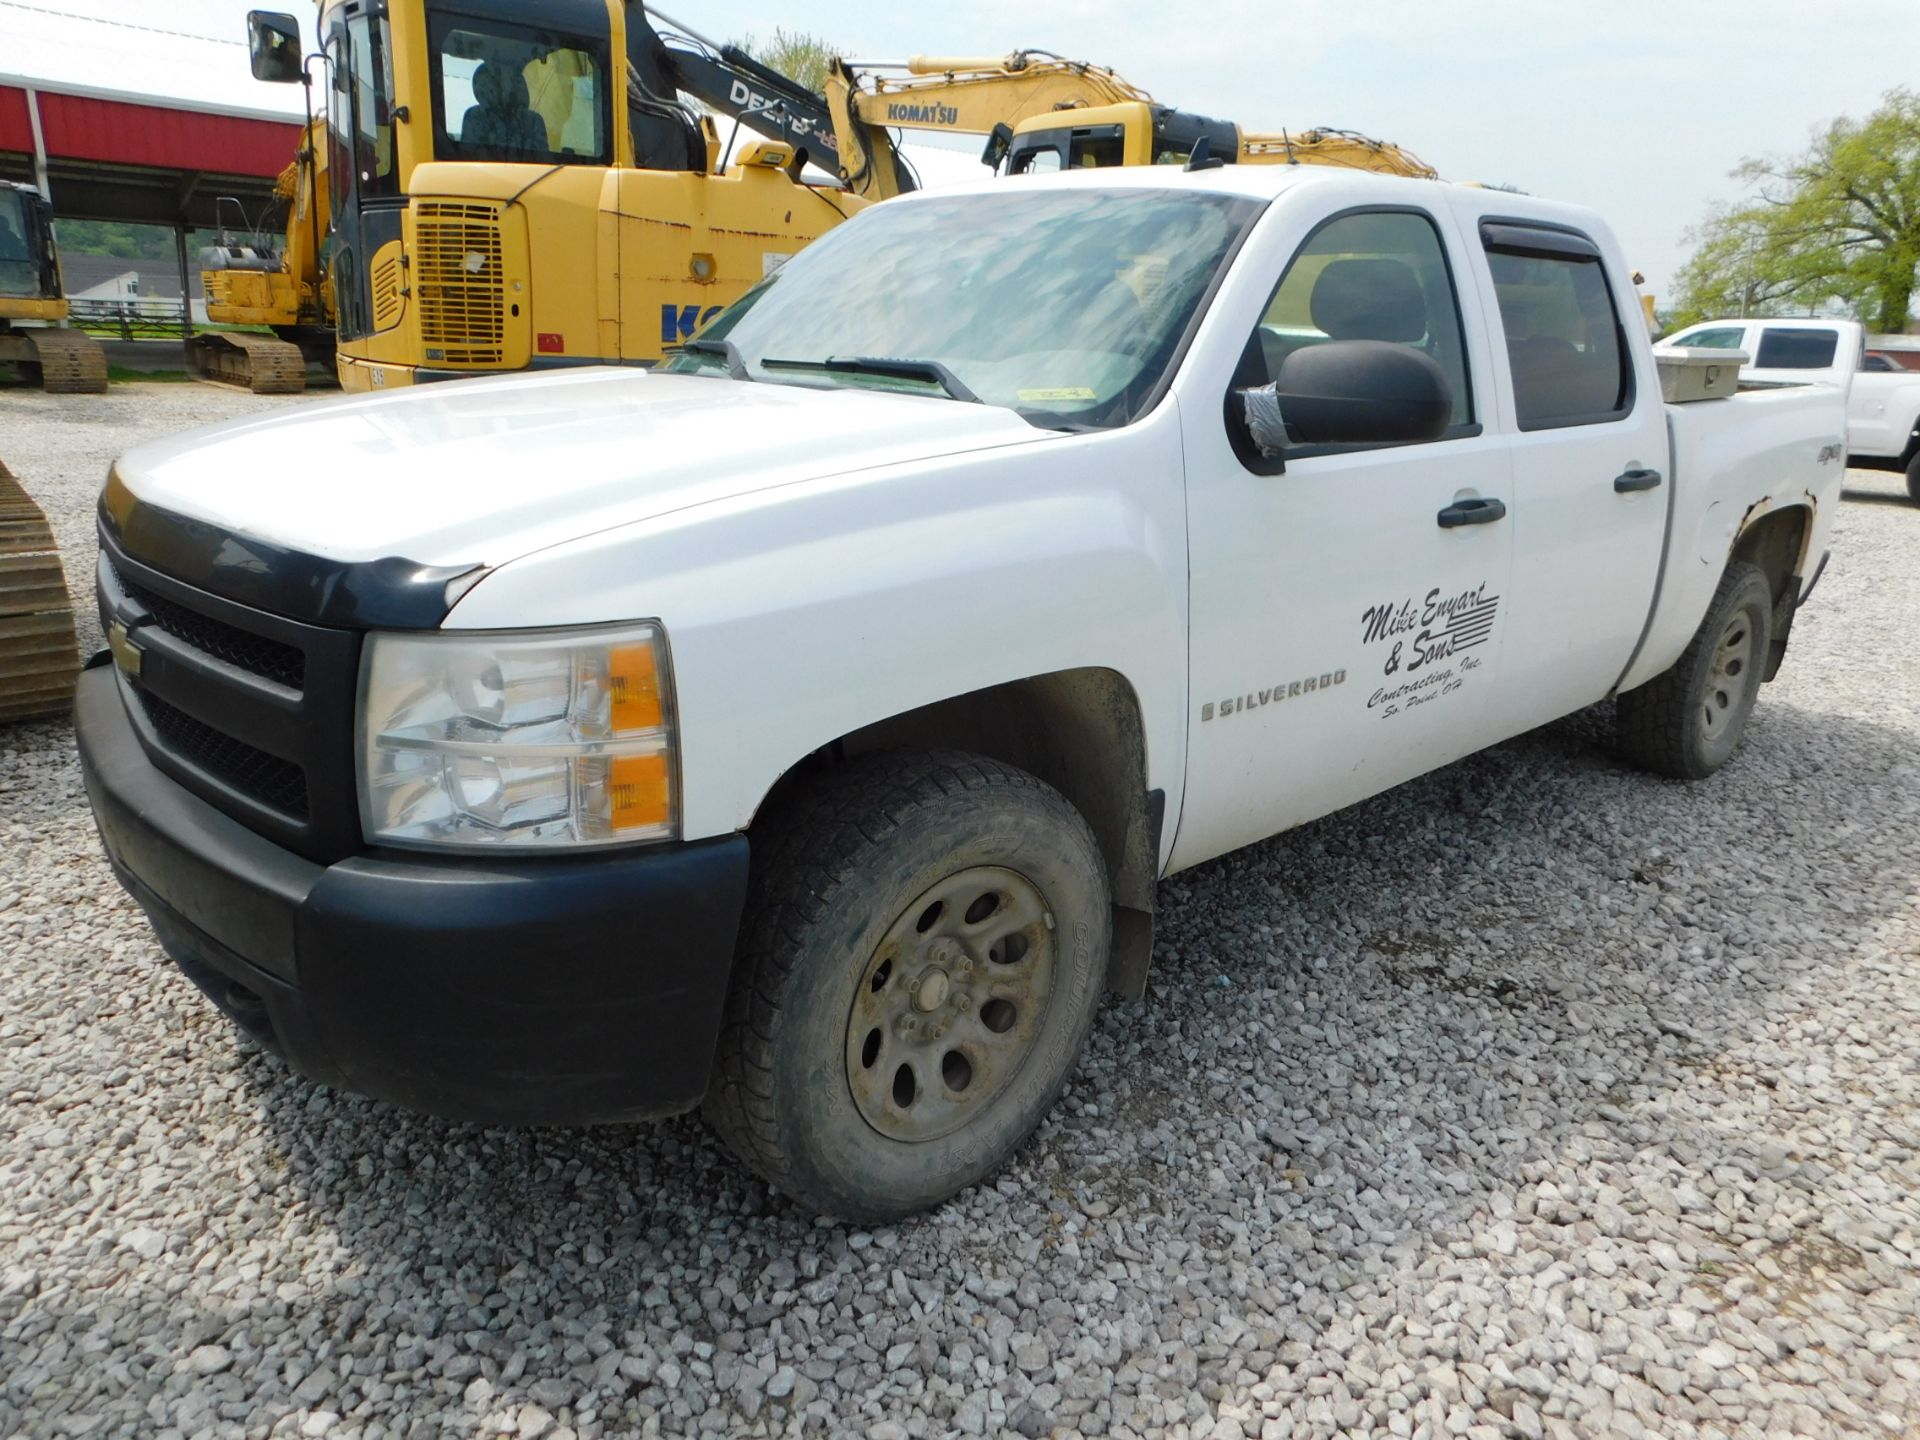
1636 479
1478 511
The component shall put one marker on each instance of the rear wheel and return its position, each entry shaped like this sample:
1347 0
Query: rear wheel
1913 479
1687 722
923 951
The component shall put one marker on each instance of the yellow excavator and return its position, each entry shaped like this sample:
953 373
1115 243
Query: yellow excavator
1043 112
516 186
286 290
62 360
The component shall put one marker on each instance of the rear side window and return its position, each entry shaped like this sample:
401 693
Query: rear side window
1782 349
1565 345
1724 339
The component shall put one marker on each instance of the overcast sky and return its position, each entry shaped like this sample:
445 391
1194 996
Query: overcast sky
1637 107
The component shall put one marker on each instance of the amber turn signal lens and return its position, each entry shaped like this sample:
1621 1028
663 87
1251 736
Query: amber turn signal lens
635 681
637 791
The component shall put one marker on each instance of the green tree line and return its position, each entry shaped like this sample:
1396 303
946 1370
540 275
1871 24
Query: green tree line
1837 225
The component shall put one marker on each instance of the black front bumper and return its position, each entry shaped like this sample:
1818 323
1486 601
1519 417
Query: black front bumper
507 991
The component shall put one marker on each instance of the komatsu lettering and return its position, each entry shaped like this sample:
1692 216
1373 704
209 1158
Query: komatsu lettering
903 114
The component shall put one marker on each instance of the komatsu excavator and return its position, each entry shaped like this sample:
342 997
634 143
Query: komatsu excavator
62 360
1040 111
287 290
1043 112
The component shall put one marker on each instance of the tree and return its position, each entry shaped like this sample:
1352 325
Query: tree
795 54
1737 268
1839 221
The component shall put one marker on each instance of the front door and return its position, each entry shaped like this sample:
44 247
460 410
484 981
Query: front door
1348 605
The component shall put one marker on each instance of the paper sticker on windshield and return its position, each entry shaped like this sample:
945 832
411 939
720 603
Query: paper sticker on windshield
1063 392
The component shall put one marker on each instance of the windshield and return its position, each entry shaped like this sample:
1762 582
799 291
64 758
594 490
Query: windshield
518 93
1066 305
18 273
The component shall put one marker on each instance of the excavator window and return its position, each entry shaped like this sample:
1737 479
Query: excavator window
370 49
519 94
19 268
1091 147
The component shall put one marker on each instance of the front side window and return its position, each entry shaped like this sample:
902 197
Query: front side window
1069 306
1726 338
1564 344
518 93
1372 275
1785 349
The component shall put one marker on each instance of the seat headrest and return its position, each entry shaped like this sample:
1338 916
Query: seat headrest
1378 299
499 87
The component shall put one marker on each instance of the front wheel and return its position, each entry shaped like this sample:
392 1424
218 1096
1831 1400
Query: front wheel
924 948
1687 721
1913 479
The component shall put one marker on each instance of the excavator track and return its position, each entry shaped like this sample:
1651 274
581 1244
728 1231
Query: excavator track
39 659
259 363
71 361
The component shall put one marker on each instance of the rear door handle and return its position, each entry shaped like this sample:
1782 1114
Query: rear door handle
1636 479
1479 511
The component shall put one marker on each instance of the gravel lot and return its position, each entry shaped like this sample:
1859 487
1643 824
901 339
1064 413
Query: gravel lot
1537 1097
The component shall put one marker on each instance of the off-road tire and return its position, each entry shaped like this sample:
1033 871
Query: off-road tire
1663 725
836 869
1913 479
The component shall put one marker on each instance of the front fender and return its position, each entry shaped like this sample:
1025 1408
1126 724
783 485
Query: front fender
800 614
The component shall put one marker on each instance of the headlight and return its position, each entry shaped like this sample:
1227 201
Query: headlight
527 740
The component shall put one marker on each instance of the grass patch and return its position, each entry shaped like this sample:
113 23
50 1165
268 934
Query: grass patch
121 375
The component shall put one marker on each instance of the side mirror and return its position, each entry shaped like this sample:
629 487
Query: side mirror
1349 392
273 46
999 140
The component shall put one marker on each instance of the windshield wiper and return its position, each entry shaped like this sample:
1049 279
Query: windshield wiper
721 349
898 369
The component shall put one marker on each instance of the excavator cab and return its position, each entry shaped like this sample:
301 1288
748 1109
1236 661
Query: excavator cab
1131 132
29 273
59 359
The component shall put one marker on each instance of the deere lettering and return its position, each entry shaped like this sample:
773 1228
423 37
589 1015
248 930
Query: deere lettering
678 322
751 101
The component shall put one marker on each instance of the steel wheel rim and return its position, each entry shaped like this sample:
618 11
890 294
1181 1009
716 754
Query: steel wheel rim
950 1008
1728 676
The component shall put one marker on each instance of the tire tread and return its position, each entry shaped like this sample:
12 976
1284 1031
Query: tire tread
1654 722
805 852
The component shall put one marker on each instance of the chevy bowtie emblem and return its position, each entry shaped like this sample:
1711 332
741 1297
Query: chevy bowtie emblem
127 653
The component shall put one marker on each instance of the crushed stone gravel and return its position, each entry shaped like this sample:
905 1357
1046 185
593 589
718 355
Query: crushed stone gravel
1535 1098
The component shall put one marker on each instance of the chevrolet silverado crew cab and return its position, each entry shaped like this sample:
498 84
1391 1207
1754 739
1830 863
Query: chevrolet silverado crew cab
1883 400
799 729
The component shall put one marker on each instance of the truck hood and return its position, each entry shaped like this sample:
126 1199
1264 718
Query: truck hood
480 472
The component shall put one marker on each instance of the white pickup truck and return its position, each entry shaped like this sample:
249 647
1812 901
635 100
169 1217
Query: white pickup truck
801 728
1883 400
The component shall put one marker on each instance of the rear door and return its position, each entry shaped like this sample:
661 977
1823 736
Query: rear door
1589 452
